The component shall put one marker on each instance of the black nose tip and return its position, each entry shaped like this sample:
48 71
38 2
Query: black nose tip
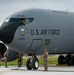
5 34
7 31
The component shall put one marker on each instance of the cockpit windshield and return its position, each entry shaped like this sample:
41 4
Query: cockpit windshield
6 20
22 20
26 20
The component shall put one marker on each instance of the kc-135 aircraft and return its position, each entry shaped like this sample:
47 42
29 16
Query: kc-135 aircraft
32 30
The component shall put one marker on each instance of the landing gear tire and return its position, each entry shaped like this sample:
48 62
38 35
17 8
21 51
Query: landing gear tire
35 63
61 59
32 63
72 60
29 64
68 59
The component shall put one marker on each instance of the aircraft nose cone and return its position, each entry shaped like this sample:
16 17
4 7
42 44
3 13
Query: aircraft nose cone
7 31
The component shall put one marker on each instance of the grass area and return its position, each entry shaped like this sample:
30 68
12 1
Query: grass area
51 60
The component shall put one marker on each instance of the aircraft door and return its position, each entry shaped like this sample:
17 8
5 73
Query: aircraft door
36 44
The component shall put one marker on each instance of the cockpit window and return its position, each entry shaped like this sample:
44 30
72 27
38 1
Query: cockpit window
6 20
21 20
14 20
26 20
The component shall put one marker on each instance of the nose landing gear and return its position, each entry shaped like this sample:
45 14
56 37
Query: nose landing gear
32 62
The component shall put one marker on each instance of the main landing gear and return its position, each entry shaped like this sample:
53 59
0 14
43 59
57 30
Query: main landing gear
32 62
68 59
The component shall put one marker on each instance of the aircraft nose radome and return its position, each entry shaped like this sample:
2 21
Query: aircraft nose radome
1 34
4 36
7 31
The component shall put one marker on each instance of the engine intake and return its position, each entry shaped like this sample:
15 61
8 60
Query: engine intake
12 55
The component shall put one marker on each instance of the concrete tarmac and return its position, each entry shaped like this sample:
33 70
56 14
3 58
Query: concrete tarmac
12 70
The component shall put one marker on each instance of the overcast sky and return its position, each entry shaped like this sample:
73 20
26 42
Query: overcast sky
8 7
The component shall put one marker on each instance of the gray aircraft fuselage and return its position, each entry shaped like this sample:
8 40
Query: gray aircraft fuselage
49 29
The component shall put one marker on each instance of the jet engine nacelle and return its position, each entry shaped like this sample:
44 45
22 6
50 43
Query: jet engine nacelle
12 55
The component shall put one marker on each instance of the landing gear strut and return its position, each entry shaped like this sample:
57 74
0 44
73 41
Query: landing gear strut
32 62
